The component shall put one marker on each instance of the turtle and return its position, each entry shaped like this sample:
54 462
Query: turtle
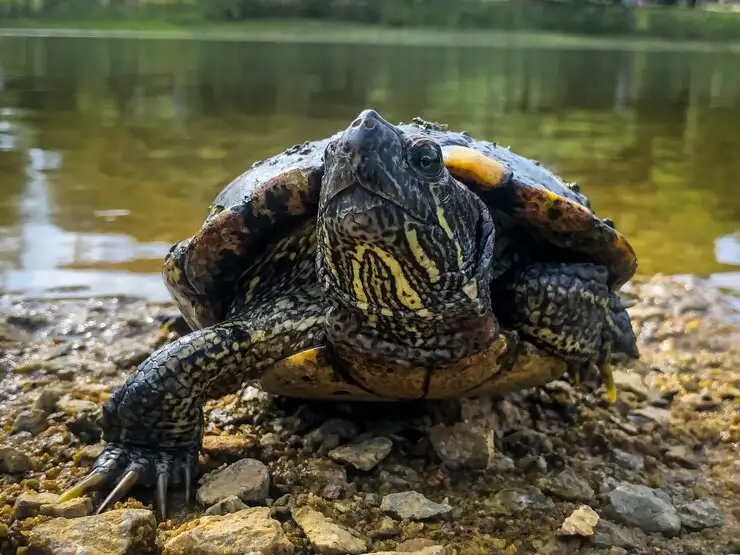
383 263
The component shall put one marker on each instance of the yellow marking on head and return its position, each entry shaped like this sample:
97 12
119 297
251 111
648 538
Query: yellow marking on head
443 222
421 256
309 356
468 164
406 294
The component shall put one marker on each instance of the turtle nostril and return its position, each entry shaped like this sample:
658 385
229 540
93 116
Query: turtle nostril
356 123
369 123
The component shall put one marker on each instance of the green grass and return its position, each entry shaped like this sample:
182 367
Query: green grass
341 33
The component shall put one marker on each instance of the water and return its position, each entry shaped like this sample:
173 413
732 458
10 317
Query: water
111 149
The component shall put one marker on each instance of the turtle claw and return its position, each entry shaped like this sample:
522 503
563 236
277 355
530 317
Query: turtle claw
122 488
136 466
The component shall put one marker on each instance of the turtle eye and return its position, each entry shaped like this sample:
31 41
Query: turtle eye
426 157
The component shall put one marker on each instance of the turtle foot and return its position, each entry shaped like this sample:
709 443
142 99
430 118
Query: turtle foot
126 466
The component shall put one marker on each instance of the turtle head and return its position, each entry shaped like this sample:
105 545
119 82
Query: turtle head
398 235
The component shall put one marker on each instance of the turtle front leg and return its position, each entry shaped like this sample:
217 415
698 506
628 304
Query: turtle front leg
569 310
153 424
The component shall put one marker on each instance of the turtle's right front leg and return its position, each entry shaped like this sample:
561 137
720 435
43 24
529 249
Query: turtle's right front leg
153 424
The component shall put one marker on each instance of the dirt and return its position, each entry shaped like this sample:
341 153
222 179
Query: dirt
512 470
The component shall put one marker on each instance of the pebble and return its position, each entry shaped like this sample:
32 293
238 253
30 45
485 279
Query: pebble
326 536
462 445
633 461
47 400
115 532
13 461
74 508
682 455
630 381
230 504
610 534
581 522
651 414
246 531
232 447
28 503
429 550
365 455
644 507
568 485
511 500
248 479
702 513
413 505
336 427
32 421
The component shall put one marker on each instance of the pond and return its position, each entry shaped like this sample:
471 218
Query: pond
112 149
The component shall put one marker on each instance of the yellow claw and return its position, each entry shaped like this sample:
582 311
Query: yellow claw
91 481
468 164
609 385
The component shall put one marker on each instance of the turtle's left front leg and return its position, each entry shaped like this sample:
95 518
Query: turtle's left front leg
154 423
568 310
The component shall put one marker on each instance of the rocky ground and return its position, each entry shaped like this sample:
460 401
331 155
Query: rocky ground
551 471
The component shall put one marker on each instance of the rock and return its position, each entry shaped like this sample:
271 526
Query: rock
610 534
428 550
327 537
28 503
651 414
365 455
47 400
330 429
32 421
644 507
115 532
232 447
700 402
512 500
581 522
321 473
683 455
702 513
70 405
241 533
387 528
231 504
248 479
568 485
13 461
462 445
630 381
74 508
633 461
413 505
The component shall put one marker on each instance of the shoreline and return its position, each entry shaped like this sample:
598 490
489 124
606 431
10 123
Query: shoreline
276 31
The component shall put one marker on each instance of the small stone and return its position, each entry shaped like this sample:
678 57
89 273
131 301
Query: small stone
608 533
340 429
32 421
13 461
365 455
231 504
630 381
644 507
28 503
72 406
332 491
651 414
512 500
633 461
115 532
386 529
413 505
230 447
568 485
47 400
617 551
702 513
683 456
700 402
326 536
248 479
74 508
581 522
269 439
430 550
247 531
462 445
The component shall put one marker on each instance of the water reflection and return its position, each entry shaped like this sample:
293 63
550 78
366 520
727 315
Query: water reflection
110 150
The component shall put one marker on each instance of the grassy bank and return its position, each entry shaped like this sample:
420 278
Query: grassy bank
470 16
309 31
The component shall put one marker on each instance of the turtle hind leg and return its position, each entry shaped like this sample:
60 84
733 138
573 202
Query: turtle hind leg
568 310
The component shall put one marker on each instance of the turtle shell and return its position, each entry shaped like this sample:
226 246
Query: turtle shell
276 194
271 197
